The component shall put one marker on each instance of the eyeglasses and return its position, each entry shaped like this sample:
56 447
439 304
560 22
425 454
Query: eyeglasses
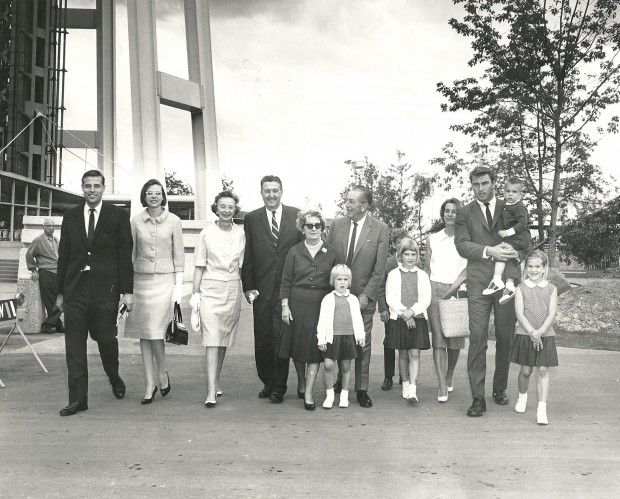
313 226
154 194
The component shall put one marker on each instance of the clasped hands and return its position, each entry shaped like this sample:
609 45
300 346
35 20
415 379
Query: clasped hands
408 317
535 336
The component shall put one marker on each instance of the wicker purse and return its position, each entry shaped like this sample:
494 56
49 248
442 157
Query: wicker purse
454 317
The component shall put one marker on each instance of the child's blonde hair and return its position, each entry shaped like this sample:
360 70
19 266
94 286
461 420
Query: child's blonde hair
542 256
407 244
340 269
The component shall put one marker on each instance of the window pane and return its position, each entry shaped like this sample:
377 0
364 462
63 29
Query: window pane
6 190
33 190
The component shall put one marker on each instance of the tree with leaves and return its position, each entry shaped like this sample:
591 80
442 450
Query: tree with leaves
175 185
549 71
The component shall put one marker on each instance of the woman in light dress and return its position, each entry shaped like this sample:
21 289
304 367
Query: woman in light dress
216 290
158 260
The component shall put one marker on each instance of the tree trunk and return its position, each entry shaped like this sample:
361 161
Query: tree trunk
555 192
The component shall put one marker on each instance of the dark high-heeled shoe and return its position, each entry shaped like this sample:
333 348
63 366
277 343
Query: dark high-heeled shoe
166 391
309 407
301 395
148 401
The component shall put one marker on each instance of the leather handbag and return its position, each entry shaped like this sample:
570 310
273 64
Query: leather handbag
176 332
454 317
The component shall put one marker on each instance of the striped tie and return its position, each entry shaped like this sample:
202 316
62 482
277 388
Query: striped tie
274 226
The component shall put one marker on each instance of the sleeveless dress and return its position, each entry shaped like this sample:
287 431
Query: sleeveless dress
536 300
400 337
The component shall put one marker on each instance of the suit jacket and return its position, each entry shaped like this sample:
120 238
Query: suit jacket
370 256
264 259
109 254
472 234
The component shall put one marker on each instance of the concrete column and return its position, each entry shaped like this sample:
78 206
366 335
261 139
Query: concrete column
106 90
208 180
144 97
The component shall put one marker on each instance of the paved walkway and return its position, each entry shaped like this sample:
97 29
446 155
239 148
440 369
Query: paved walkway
247 447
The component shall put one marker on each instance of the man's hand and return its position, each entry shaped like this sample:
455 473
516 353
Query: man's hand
127 299
502 252
34 275
385 316
60 302
250 295
363 301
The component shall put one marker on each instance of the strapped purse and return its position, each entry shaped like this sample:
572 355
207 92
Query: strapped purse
176 332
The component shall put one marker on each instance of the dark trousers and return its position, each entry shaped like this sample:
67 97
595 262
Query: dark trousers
272 370
389 356
479 314
47 287
84 314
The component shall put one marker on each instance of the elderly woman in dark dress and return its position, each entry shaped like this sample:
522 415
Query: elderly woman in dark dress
305 281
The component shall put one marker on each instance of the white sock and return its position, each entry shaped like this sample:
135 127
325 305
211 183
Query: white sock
510 285
344 398
521 404
541 413
497 279
405 389
329 399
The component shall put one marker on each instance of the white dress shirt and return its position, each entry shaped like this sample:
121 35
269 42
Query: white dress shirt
97 212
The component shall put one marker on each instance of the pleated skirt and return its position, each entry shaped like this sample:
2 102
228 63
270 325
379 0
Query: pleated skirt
152 306
524 353
298 340
342 348
400 337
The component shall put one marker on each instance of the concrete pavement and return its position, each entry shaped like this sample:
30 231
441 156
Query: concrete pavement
247 447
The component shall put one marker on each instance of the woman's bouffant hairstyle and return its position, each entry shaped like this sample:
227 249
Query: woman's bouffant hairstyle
309 212
226 194
147 186
453 201
406 244
337 270
542 256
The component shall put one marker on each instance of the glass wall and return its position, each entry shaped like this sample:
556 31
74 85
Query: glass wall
19 198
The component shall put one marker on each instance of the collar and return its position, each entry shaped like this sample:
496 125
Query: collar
531 284
403 269
160 218
511 204
278 211
442 235
97 208
345 294
361 221
492 204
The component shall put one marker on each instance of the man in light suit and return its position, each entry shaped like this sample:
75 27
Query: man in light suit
94 271
270 232
476 239
362 242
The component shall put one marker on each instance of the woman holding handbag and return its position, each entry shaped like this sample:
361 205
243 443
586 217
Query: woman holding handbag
158 260
447 271
216 291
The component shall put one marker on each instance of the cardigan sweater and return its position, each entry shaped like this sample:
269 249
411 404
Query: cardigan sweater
325 327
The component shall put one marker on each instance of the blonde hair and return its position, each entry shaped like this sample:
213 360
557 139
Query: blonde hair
337 270
542 256
407 244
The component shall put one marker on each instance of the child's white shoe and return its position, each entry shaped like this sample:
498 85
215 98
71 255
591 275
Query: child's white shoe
521 404
541 414
412 395
344 398
405 389
329 399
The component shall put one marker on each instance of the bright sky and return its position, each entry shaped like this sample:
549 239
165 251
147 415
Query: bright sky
300 87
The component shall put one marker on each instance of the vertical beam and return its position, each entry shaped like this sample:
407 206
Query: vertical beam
208 180
144 99
106 85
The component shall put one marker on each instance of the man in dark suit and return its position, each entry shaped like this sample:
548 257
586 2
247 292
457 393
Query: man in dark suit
477 239
270 232
94 270
362 242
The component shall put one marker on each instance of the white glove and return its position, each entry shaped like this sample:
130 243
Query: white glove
177 293
194 301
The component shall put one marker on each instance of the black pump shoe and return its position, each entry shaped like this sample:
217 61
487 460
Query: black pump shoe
148 401
166 391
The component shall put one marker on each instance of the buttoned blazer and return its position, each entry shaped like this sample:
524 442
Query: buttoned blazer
370 256
471 234
109 254
264 258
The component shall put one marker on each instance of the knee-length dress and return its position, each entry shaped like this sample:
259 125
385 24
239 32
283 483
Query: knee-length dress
221 254
158 254
536 301
408 290
305 282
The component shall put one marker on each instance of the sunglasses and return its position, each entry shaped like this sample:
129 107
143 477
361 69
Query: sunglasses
313 226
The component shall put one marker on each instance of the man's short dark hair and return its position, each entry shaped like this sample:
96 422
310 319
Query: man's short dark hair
479 171
93 173
147 186
270 178
366 193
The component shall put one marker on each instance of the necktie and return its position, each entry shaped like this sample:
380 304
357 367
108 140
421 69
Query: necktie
274 226
91 224
489 216
352 245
